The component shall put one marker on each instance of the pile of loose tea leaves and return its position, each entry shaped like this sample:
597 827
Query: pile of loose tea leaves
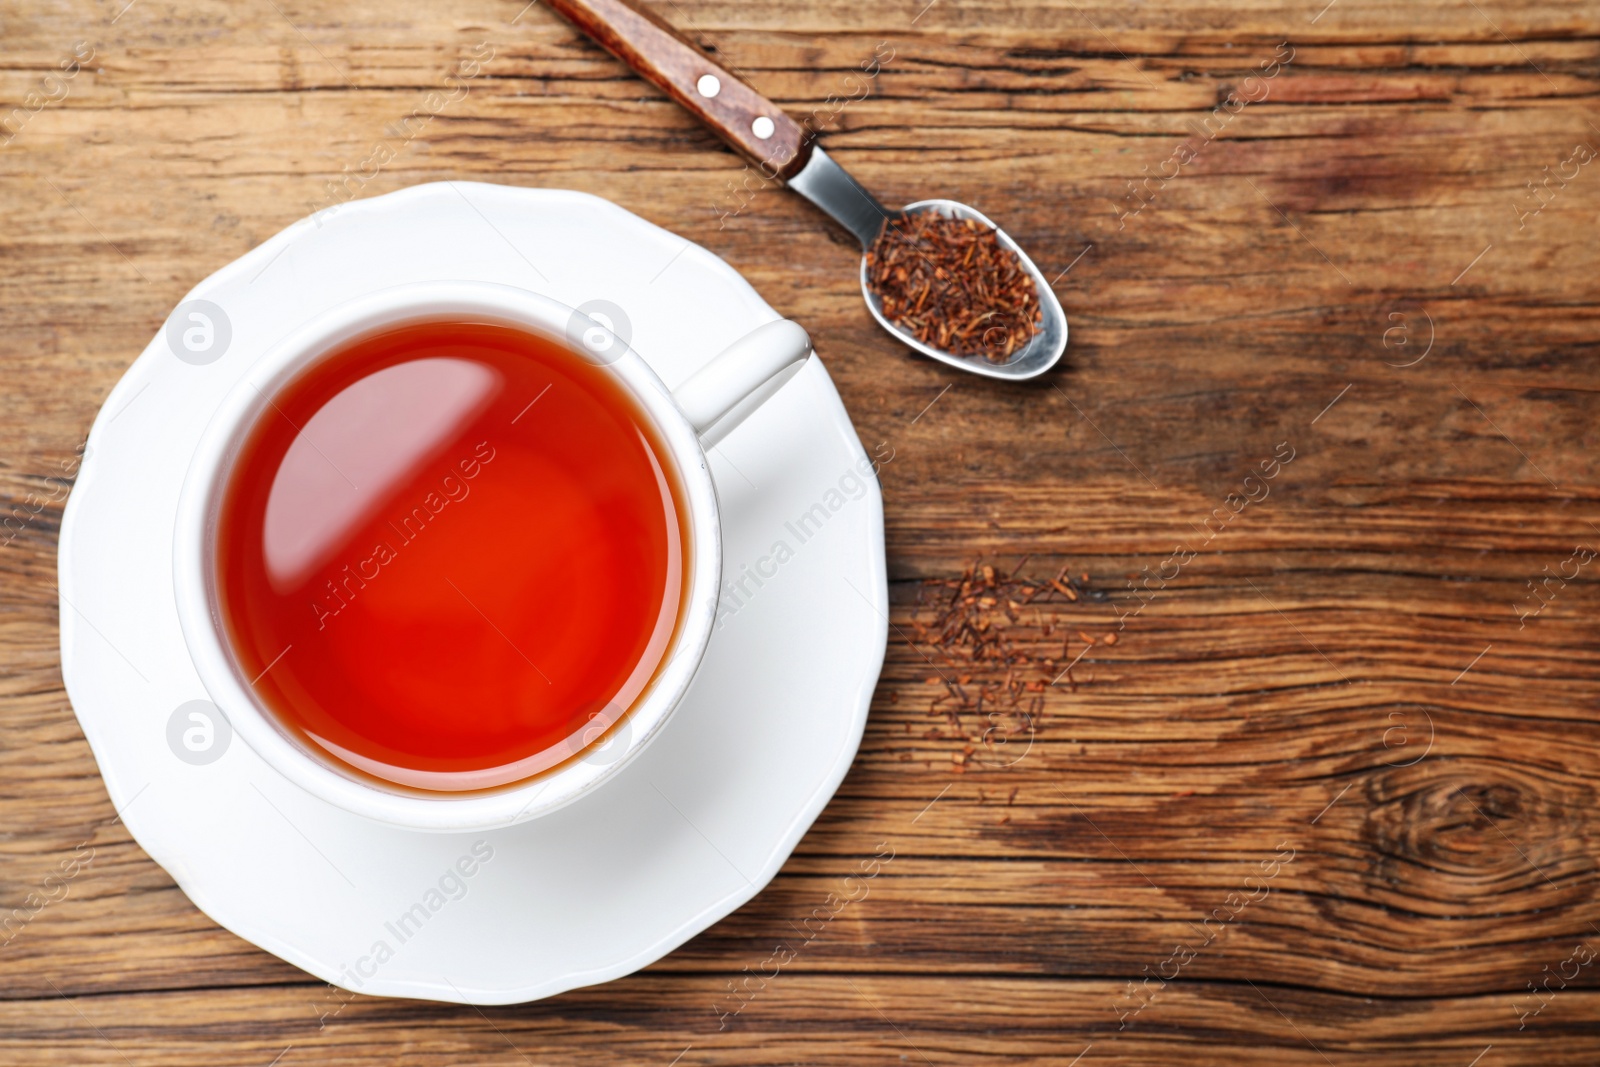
995 658
952 285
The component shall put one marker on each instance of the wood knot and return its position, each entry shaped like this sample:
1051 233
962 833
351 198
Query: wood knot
1466 838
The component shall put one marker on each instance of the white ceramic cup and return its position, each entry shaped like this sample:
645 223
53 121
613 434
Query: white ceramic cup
689 420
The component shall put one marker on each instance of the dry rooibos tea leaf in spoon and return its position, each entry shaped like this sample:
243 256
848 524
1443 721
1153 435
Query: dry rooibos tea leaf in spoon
952 285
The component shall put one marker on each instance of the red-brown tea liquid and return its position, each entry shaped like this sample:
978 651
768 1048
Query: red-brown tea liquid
449 554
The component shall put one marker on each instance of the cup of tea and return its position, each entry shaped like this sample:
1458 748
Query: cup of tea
448 556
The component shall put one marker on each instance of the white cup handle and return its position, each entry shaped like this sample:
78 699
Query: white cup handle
742 377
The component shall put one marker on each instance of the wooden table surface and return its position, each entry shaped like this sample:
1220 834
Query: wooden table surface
1328 798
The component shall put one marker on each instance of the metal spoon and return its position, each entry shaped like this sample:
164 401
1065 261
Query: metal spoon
782 149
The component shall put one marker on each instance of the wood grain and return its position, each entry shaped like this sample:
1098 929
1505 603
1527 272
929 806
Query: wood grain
1340 672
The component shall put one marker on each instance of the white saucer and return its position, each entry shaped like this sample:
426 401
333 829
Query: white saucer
685 834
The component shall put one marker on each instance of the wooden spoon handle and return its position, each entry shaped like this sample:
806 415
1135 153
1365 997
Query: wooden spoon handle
748 121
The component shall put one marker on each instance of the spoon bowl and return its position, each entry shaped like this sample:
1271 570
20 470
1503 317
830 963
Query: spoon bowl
1041 351
831 188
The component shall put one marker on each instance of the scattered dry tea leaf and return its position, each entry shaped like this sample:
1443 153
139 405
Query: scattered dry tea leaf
986 632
